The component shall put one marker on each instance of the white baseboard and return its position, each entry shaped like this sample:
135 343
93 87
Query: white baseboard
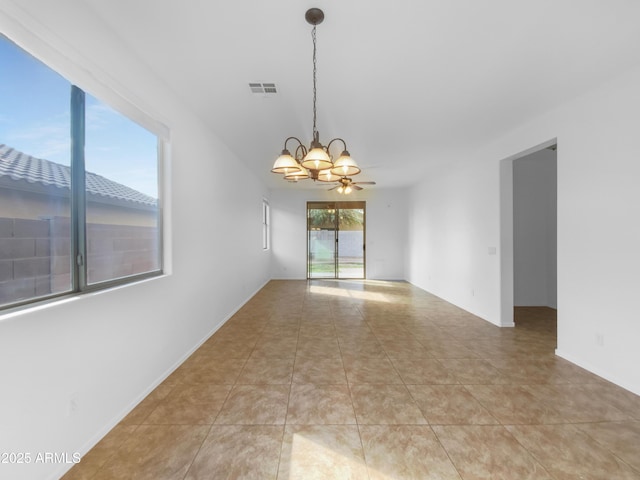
599 372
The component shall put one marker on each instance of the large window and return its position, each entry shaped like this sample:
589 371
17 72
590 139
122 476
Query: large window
79 199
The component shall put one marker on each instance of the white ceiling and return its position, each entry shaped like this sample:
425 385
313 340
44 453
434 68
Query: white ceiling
403 81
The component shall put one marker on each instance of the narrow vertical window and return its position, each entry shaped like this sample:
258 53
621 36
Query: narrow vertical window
266 234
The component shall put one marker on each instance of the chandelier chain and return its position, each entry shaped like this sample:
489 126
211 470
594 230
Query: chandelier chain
315 90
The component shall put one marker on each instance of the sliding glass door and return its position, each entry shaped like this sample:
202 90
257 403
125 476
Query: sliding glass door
321 241
336 240
351 247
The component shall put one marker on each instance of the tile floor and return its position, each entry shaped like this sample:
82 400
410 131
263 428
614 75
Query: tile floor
374 380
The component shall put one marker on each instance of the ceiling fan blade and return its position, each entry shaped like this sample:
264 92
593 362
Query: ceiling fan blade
363 183
334 187
355 187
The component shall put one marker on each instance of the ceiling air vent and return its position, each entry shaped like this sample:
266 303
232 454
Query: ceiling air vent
262 88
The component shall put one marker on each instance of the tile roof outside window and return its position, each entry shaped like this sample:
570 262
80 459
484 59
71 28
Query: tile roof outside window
20 166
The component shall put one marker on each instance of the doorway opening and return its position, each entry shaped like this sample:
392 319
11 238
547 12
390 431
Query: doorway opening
528 224
336 239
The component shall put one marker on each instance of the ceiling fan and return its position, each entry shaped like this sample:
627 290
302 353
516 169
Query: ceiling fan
346 185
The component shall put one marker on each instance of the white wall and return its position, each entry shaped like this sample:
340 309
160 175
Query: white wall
386 230
534 229
109 349
454 235
455 215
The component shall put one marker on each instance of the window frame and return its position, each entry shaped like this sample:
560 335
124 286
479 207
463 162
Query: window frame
266 225
78 251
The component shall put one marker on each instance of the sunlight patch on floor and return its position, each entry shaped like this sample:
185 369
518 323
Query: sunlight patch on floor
357 294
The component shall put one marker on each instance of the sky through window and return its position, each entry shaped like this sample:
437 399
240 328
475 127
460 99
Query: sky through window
34 119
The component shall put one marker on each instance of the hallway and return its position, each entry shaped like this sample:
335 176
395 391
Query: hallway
374 380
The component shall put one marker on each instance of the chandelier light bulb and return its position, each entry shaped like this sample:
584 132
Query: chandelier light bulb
285 163
317 159
299 173
327 176
345 165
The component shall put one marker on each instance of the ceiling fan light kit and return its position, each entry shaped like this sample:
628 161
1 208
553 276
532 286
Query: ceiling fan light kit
346 185
316 161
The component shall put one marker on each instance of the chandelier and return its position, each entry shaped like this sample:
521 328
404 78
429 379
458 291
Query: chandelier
316 162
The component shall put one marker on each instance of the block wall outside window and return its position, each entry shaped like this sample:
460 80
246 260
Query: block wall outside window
32 261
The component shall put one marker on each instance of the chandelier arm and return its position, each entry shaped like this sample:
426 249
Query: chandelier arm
291 138
302 150
344 144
